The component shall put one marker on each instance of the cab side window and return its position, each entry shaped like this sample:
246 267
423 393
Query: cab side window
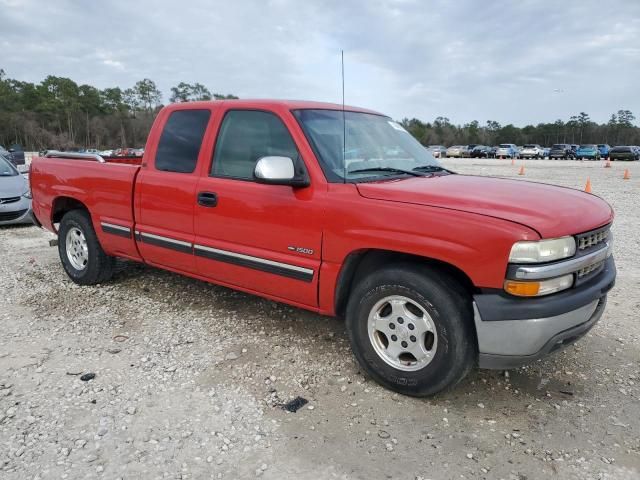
245 137
180 141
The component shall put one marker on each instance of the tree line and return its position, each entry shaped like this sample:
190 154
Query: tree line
619 130
57 113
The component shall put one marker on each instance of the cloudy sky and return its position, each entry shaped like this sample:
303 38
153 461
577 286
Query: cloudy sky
516 62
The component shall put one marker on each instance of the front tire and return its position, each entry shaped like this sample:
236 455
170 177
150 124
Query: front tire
411 329
80 252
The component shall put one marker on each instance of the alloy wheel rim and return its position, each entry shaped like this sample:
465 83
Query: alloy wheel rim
77 249
402 333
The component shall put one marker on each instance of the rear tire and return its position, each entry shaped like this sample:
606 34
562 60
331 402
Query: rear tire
423 312
80 252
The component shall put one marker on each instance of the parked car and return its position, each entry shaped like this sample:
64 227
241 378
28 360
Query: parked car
604 148
438 151
624 153
481 151
15 196
106 153
561 151
588 152
433 271
455 151
17 154
532 150
507 150
467 149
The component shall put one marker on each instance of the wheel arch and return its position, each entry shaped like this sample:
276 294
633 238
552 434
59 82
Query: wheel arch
360 263
62 205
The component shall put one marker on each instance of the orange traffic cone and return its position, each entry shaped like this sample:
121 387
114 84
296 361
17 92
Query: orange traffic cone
521 172
513 162
587 187
627 175
607 164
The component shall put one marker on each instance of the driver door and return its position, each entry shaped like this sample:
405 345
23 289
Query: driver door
262 238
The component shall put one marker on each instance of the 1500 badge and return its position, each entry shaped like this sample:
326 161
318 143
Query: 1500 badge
306 251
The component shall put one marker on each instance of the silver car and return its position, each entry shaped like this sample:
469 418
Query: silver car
507 150
455 151
15 196
532 150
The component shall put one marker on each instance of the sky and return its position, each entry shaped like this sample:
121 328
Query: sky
519 62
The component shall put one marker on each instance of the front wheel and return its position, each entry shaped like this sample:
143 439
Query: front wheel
411 329
80 252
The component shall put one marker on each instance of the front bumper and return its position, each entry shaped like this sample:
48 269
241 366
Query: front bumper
514 331
16 213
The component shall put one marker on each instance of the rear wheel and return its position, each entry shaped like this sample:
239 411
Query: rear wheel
80 252
411 330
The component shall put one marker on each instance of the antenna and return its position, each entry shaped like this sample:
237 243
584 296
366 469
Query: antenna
344 125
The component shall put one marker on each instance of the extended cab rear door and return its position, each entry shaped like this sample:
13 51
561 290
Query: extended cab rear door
165 190
262 238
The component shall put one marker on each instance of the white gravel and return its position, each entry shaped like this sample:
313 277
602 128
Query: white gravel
189 379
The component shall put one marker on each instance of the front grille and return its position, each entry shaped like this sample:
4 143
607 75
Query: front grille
589 240
9 200
583 272
8 216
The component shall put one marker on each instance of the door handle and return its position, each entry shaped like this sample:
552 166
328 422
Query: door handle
207 199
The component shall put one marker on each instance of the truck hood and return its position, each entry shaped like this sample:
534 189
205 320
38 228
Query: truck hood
550 210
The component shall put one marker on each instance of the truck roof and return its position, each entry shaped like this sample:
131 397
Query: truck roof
271 103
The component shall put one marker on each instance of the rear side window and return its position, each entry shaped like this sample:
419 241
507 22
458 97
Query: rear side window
245 137
180 141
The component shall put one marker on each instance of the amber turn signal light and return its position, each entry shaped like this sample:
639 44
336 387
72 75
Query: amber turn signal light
537 289
522 289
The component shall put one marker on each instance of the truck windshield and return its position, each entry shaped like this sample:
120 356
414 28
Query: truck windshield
375 145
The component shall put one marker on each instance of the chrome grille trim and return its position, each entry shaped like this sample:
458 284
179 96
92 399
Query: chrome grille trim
557 269
588 240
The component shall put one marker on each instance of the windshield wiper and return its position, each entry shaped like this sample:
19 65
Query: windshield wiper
388 169
431 168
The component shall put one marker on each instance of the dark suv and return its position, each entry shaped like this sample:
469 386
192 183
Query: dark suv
562 151
624 153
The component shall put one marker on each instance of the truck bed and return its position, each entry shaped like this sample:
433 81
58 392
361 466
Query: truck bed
106 188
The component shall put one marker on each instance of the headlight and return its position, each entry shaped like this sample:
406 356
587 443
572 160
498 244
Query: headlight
539 288
27 194
543 250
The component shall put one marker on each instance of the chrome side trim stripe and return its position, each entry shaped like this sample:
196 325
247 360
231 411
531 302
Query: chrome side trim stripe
159 241
114 229
257 263
234 258
117 227
166 239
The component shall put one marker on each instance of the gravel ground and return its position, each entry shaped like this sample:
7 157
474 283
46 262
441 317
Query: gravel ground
190 379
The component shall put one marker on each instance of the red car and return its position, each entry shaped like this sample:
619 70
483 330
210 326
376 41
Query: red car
433 271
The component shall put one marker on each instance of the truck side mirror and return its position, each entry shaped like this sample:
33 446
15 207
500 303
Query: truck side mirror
279 171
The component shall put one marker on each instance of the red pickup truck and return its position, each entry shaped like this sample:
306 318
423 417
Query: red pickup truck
342 212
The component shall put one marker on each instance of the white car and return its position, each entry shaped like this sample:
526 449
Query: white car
532 150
